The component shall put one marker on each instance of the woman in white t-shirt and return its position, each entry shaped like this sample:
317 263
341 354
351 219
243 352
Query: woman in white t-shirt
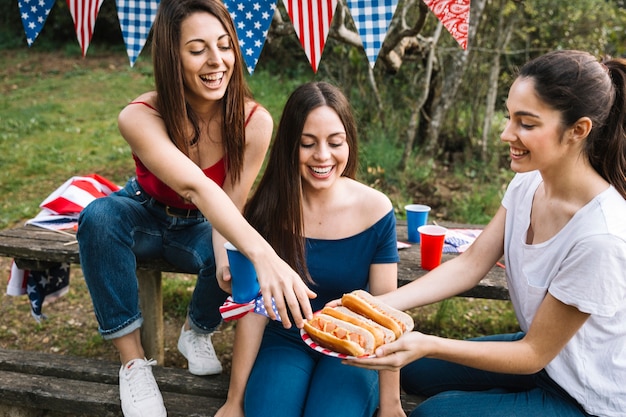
562 231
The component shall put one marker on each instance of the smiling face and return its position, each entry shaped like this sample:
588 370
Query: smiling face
207 56
324 149
534 130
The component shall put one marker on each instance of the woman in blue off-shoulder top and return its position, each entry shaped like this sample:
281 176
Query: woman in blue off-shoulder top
340 235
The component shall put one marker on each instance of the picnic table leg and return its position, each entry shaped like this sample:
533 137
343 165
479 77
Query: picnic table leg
151 302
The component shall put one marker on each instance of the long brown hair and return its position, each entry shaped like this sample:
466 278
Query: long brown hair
275 209
579 85
168 77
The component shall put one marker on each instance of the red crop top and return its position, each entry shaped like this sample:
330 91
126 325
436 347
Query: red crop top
162 192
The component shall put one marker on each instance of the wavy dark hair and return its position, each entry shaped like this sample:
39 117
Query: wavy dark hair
577 84
275 208
168 76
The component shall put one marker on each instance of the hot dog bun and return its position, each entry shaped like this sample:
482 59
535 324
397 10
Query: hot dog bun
381 333
365 304
339 336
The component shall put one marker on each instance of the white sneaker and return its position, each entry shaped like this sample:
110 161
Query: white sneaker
139 392
198 350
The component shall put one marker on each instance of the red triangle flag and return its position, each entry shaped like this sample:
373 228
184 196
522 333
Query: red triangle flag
311 20
454 15
84 14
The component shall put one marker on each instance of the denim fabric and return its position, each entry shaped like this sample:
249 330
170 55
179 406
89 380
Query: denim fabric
455 390
289 379
115 231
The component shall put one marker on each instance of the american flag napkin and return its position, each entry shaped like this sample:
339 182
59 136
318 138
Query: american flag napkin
231 310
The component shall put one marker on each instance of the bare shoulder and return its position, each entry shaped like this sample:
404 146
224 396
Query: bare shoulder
143 104
373 203
258 116
260 125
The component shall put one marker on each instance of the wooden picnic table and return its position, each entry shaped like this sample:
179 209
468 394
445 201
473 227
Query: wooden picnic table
35 248
493 286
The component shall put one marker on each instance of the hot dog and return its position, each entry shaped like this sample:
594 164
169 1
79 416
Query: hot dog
381 333
365 304
358 326
339 336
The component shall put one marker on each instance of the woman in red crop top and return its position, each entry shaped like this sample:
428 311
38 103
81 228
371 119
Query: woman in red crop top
198 142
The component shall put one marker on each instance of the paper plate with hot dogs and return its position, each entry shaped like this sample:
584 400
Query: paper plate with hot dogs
355 328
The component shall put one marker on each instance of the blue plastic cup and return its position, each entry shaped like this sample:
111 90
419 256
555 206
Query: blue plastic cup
416 216
244 283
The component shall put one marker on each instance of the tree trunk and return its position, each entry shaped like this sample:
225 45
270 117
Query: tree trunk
411 131
505 26
451 83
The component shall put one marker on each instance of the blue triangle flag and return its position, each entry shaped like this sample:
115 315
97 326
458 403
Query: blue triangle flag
372 19
252 20
34 14
136 18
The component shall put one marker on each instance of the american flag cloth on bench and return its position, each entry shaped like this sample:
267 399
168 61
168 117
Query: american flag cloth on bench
41 286
59 212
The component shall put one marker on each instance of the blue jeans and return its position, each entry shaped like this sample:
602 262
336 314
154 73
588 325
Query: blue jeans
289 379
455 390
115 231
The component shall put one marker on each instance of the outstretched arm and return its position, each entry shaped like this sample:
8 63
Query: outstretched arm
145 131
456 275
554 325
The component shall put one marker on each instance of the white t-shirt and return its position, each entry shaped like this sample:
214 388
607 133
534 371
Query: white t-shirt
583 265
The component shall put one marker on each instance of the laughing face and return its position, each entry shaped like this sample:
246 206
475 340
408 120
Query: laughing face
207 56
324 150
534 131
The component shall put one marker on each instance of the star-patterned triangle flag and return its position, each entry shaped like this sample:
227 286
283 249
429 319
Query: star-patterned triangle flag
34 14
454 16
84 13
311 20
136 18
372 18
252 21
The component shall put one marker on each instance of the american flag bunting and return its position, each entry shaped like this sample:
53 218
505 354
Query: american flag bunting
34 14
136 18
372 19
252 20
454 16
311 20
84 13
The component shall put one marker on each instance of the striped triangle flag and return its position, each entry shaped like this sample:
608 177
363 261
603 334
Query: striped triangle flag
84 14
311 20
252 21
372 18
136 18
34 14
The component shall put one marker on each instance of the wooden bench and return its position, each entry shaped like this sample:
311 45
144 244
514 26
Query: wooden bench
36 249
77 386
